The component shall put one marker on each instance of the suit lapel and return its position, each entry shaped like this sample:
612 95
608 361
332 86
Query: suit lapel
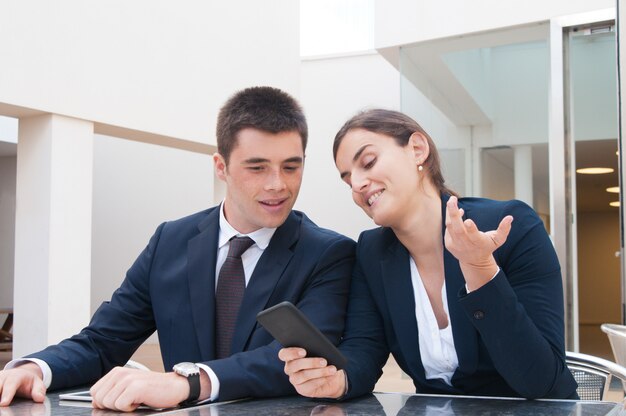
264 279
202 253
396 278
463 332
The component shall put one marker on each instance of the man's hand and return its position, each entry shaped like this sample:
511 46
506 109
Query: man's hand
25 381
312 377
125 389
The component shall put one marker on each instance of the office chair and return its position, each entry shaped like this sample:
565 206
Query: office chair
617 338
593 374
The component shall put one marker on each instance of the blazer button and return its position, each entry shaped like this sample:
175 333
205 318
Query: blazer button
479 315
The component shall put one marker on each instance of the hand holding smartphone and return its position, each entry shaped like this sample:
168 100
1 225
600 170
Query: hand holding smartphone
292 328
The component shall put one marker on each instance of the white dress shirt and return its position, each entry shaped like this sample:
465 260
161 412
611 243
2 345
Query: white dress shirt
436 346
249 259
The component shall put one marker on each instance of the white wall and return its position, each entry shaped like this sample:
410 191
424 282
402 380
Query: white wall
332 90
7 229
150 70
153 65
453 141
406 21
137 186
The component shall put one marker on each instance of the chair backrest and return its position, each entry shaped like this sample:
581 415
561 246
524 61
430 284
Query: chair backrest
593 374
617 338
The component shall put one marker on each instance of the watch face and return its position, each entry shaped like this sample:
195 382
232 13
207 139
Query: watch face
186 369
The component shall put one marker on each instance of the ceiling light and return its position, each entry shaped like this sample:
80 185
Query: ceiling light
613 189
614 204
594 171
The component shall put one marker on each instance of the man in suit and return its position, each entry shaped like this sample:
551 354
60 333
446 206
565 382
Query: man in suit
174 285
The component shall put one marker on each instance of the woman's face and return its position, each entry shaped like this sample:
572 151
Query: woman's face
382 175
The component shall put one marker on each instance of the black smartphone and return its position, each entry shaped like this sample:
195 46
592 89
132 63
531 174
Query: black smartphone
292 328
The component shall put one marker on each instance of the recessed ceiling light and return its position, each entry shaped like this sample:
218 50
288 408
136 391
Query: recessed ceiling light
613 189
614 204
594 171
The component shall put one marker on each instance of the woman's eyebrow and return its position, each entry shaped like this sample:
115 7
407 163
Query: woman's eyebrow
358 152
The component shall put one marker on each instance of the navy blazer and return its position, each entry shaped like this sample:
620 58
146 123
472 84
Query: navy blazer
171 288
508 335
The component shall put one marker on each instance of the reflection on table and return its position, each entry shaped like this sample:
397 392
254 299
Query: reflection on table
383 404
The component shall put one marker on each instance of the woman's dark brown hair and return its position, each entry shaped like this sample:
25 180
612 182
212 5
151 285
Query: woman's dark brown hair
400 127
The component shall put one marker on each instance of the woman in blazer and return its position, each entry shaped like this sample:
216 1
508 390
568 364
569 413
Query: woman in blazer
466 293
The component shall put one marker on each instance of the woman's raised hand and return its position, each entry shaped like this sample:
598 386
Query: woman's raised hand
472 247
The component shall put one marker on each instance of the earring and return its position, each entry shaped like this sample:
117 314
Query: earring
420 168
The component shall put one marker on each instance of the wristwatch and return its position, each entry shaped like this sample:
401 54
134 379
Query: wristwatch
192 373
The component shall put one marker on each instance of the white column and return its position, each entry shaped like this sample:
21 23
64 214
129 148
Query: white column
475 172
52 230
524 174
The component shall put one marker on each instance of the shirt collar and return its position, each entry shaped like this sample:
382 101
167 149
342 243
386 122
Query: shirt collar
261 237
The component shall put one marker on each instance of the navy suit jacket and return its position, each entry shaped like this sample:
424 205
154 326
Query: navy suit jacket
171 288
508 335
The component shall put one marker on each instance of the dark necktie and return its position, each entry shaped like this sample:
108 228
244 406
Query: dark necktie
231 285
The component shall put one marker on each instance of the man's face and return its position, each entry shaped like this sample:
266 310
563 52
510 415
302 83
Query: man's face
263 178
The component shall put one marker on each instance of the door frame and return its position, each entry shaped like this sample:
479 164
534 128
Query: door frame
563 222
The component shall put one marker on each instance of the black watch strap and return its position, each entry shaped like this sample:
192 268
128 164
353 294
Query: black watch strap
194 389
192 373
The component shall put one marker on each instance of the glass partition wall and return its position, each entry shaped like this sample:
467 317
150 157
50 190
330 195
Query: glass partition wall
514 112
590 52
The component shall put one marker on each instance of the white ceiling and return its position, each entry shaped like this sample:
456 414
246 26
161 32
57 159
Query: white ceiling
500 80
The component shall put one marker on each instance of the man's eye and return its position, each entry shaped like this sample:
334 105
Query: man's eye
291 168
255 168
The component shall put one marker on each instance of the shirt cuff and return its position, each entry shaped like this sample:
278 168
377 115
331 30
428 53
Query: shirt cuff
43 366
492 277
215 383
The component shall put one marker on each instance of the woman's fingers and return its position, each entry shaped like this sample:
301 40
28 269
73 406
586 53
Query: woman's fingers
503 230
466 242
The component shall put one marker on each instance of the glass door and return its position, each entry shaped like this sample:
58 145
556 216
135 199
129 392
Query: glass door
591 111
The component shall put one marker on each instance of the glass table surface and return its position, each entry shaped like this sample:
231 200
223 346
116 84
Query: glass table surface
383 404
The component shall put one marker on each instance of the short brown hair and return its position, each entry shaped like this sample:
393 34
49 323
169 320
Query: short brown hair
399 127
264 108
